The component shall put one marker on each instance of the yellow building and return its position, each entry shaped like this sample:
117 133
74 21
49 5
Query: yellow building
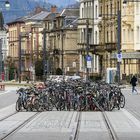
25 40
14 29
62 36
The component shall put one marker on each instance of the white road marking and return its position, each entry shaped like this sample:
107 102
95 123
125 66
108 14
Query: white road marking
5 92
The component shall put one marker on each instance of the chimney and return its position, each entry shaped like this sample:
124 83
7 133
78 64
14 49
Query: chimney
38 9
53 9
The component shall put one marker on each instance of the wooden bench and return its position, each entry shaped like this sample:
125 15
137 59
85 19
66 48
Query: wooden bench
2 87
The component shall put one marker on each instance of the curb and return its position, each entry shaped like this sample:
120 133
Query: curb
17 84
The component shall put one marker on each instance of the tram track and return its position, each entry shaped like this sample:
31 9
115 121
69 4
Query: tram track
2 119
77 127
14 130
112 133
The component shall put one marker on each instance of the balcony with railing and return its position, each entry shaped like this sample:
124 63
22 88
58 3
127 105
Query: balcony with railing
84 21
110 46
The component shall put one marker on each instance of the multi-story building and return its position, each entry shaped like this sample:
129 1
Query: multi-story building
25 36
137 36
108 32
62 37
14 29
88 43
129 35
34 42
3 49
128 63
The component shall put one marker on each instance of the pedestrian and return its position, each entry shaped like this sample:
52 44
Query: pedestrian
133 82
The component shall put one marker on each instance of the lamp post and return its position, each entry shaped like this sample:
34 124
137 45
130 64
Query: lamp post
19 64
45 61
87 49
119 43
62 51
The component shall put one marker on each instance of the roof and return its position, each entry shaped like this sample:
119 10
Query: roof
68 12
37 17
40 16
51 16
73 24
19 20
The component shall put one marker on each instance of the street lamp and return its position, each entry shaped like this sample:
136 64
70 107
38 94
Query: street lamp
7 4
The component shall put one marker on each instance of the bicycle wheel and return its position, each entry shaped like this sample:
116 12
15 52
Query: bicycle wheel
36 104
122 101
18 105
82 105
111 104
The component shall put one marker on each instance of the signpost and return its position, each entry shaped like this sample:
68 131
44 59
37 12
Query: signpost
119 57
88 60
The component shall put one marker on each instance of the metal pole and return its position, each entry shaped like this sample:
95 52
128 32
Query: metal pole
19 67
118 43
45 64
0 60
62 53
87 48
93 26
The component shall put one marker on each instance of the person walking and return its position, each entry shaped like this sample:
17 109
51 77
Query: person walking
133 82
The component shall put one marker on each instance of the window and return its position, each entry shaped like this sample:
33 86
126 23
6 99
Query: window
138 30
82 12
101 8
96 34
107 35
111 9
111 36
124 37
107 10
90 35
96 11
128 35
132 35
137 8
118 5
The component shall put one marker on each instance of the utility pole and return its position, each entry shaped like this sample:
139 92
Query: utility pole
45 63
87 49
62 53
19 55
119 42
0 60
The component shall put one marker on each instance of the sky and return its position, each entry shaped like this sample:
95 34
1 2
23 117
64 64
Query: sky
61 2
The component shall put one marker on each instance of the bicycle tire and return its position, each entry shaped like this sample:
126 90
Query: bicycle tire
122 101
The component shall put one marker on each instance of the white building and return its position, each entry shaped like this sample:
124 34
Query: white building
88 22
137 26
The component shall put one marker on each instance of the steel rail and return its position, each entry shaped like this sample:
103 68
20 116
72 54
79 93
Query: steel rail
75 131
111 130
19 127
8 116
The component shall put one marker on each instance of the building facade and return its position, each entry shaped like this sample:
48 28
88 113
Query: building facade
61 31
88 42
